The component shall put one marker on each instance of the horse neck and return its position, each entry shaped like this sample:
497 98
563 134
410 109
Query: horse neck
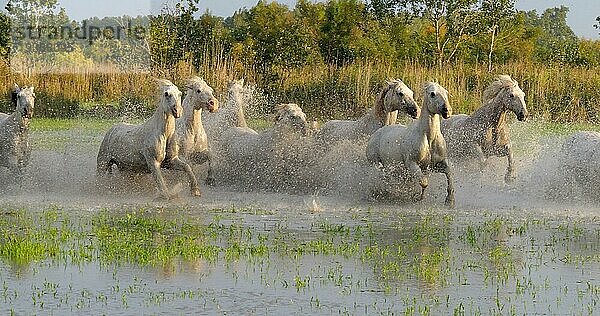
162 123
490 114
240 116
17 120
236 114
192 118
429 124
373 116
379 113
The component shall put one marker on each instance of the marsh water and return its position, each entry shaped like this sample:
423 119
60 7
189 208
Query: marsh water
71 244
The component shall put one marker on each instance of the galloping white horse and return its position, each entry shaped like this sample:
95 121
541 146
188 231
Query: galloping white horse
191 136
485 132
261 156
231 113
14 129
150 146
394 97
420 147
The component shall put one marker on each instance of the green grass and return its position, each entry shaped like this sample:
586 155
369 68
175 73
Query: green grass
52 124
495 254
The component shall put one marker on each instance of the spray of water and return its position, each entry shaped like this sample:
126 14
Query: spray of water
62 170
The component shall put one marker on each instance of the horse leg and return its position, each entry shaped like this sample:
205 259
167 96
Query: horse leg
210 178
17 171
480 156
178 164
510 170
417 174
444 167
154 167
202 157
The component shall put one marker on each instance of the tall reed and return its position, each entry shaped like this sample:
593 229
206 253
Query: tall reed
553 93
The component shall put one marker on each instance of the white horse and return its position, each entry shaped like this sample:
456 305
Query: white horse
580 161
191 136
420 147
394 97
261 156
231 113
485 132
14 129
150 146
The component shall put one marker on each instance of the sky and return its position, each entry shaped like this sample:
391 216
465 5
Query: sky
581 16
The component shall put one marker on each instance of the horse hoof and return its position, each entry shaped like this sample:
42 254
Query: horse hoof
196 192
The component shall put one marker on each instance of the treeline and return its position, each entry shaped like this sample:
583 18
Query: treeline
330 56
273 38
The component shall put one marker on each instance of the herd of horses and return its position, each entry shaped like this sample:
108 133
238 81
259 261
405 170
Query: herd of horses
178 137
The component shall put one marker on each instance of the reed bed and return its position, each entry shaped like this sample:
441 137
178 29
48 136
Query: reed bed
554 93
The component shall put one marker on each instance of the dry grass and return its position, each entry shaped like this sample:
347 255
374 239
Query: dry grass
554 93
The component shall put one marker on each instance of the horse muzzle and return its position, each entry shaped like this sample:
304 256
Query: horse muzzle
413 112
213 106
445 113
176 112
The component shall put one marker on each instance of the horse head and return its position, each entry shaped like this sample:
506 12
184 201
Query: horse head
202 95
170 99
399 97
292 116
235 85
25 101
436 100
514 99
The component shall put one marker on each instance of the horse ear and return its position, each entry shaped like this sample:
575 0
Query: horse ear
17 89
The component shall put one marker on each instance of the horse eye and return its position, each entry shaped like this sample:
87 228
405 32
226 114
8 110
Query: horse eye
167 94
401 94
432 94
198 91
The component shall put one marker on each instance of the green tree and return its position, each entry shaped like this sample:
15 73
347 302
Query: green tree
5 41
496 15
278 39
556 42
36 36
349 31
450 23
173 34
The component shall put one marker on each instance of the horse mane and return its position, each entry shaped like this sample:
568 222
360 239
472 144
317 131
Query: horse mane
163 83
379 108
501 82
13 98
280 109
195 81
237 112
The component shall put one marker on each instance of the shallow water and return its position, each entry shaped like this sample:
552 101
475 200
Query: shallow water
503 249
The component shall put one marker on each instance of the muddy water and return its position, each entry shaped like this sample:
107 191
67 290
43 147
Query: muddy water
523 248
